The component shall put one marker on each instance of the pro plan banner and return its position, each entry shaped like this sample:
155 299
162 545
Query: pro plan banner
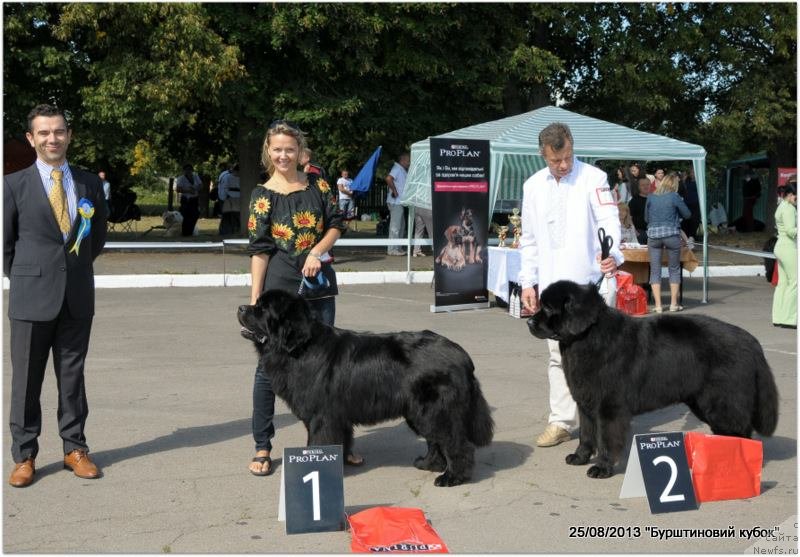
460 204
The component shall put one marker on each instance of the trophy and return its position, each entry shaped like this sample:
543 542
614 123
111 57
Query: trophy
501 235
516 221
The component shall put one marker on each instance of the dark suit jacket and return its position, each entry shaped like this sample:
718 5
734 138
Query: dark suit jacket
35 257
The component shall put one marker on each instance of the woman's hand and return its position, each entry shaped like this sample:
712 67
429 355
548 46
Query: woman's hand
312 266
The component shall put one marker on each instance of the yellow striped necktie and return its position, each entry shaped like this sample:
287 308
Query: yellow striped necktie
58 201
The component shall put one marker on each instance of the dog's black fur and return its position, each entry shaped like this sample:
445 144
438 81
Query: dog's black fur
333 379
618 366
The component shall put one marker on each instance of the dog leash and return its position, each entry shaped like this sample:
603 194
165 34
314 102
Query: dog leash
607 285
606 243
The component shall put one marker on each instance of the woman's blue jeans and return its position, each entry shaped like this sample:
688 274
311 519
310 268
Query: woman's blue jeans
322 309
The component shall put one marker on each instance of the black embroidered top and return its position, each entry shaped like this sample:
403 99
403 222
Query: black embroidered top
287 226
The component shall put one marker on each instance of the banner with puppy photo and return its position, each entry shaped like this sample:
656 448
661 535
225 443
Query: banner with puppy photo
460 206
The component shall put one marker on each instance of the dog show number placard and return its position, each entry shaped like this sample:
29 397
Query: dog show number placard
658 463
313 489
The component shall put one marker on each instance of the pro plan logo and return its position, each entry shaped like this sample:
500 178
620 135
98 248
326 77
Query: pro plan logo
459 151
411 547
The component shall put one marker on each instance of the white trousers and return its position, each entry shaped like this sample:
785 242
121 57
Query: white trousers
563 410
396 225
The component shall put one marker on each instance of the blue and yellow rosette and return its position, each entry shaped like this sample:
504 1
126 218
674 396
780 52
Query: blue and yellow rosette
86 211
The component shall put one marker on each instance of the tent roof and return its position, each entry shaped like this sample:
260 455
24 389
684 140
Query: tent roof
593 138
514 147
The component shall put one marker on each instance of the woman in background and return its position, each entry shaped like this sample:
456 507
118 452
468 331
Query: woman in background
627 230
784 301
663 212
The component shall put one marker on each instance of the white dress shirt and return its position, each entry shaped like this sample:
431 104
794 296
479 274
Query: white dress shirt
560 220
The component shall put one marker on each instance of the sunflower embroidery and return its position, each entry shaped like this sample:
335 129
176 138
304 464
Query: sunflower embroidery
251 224
320 226
281 232
323 186
304 241
304 219
261 206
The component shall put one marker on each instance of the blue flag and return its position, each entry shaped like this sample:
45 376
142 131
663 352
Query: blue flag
365 177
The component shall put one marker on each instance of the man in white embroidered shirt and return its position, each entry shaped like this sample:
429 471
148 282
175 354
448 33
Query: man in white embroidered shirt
563 206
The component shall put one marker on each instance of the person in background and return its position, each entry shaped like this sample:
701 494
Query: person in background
293 224
54 227
310 167
751 191
658 177
106 189
663 211
627 230
228 193
396 180
620 188
423 221
563 207
637 206
784 300
692 200
632 177
346 202
188 186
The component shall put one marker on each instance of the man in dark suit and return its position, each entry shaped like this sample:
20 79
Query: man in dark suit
54 226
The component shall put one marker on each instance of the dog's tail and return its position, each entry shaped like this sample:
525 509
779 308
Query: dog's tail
765 415
480 425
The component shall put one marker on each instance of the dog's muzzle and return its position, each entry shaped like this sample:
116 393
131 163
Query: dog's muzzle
535 330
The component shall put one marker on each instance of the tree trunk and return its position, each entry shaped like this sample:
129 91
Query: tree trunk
249 139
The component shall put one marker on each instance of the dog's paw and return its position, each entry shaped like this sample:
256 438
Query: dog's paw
576 459
447 480
600 471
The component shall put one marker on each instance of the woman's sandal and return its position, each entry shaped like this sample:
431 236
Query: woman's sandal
354 460
262 460
674 309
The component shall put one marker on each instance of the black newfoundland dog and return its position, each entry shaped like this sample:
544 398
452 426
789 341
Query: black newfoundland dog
619 366
333 379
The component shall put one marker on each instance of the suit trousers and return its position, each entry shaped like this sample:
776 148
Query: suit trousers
31 342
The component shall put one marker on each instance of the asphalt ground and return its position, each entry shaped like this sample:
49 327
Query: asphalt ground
169 383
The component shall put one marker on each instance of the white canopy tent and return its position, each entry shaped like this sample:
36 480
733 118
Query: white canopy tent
514 151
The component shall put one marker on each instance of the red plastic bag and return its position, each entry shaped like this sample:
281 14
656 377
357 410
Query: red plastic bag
393 530
631 298
724 467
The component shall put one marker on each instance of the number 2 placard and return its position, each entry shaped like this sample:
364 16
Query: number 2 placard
667 479
314 489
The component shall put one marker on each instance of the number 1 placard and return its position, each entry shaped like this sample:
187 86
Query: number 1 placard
314 489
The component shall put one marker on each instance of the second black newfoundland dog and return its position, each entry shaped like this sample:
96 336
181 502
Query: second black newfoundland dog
618 366
333 379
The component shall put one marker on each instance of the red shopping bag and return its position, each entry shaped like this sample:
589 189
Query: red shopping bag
631 298
724 467
393 530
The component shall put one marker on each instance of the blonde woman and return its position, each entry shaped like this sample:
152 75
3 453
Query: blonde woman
663 212
627 230
294 221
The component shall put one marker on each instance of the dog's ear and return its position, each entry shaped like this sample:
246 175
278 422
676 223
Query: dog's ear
288 321
581 310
